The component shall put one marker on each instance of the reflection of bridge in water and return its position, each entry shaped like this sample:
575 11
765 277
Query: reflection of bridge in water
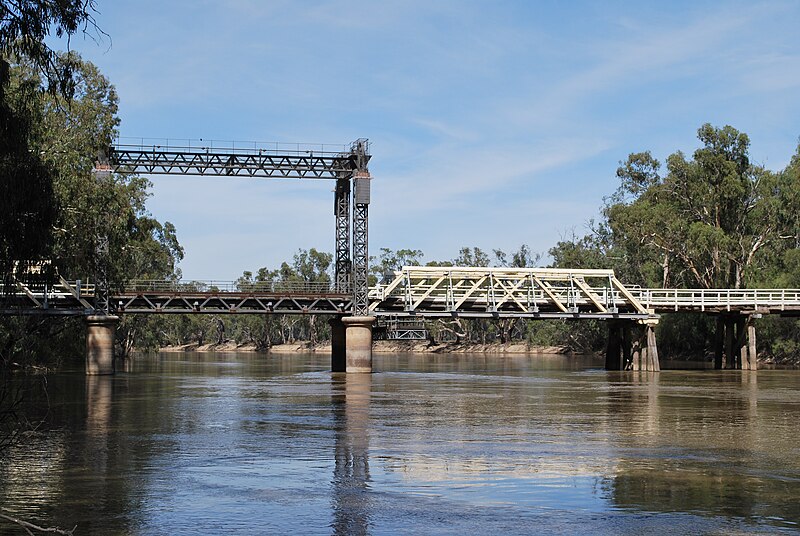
415 292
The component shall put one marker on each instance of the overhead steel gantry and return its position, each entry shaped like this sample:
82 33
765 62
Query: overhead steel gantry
348 167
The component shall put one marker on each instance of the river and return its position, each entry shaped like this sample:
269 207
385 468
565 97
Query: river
244 443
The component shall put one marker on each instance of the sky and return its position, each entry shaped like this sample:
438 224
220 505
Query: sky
492 123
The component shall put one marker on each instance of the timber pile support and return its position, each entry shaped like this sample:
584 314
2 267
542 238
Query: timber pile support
735 342
632 346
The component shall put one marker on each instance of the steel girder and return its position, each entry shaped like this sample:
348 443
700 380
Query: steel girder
506 292
230 302
228 162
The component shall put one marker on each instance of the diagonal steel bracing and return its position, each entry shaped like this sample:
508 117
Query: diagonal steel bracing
506 292
343 265
292 164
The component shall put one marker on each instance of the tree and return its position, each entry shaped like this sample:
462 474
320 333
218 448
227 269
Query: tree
26 24
27 204
522 258
471 257
390 261
706 222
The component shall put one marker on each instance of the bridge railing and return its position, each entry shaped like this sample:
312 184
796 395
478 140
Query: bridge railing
193 145
718 299
59 295
230 287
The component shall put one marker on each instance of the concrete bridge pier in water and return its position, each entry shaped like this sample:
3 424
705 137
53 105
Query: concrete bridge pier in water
100 344
351 344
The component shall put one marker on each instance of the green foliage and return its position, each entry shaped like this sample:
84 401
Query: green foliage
713 221
471 257
67 136
27 204
389 261
25 26
522 258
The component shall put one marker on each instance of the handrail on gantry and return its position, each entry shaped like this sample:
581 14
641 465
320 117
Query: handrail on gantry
235 146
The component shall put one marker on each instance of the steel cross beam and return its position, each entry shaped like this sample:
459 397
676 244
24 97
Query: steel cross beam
308 162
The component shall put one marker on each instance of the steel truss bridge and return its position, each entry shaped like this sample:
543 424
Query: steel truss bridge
415 292
346 166
557 293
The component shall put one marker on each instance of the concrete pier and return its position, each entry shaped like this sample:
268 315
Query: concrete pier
358 343
338 345
100 344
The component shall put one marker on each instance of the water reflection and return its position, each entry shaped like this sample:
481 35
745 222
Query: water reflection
700 444
350 398
256 444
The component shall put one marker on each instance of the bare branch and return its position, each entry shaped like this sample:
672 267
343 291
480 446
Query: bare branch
29 527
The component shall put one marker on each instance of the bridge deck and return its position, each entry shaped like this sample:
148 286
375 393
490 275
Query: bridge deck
765 301
414 292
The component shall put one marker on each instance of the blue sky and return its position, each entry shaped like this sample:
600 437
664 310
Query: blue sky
492 124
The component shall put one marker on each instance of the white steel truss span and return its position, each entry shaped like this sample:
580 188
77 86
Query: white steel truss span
518 292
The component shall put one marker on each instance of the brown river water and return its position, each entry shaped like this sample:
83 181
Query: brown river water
227 443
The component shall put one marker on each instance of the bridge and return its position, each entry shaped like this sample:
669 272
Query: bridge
444 292
413 292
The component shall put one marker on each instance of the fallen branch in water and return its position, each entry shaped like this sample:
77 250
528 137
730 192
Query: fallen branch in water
29 527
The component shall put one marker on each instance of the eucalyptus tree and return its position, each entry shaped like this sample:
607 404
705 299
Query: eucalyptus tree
709 220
